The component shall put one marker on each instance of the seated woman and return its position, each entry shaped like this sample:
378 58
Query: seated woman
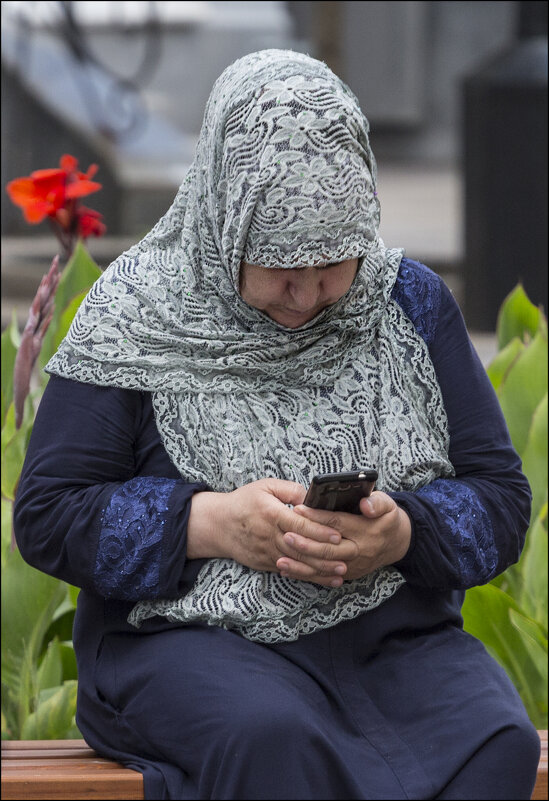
231 642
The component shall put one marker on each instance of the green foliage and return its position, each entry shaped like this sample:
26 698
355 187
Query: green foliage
77 278
517 318
39 675
10 343
510 613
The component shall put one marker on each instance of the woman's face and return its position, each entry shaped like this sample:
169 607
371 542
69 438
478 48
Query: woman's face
292 297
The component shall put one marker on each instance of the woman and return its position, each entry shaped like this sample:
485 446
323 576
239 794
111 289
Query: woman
231 642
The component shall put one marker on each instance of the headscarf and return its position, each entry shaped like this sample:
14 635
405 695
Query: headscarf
283 176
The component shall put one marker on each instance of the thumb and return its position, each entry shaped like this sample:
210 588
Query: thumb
376 505
286 491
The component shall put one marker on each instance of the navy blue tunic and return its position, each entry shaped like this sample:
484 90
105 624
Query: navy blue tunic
398 703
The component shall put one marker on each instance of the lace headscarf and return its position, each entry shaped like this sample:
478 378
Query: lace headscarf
283 177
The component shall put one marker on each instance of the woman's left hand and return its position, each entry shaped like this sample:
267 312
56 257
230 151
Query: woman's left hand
379 536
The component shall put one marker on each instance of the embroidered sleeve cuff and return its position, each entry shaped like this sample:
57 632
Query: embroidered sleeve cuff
453 544
129 556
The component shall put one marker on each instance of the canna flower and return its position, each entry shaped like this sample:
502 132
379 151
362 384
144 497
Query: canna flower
40 315
44 192
55 194
90 223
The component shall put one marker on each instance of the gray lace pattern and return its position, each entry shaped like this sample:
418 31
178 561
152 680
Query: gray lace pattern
284 177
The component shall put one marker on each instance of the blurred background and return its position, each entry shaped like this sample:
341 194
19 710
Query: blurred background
455 92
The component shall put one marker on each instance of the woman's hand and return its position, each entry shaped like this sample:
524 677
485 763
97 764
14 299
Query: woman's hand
250 525
379 536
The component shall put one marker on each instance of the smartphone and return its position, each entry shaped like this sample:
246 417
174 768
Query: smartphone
340 492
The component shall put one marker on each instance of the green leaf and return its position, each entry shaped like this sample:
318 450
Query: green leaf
74 592
7 517
74 732
9 352
14 446
534 569
502 361
68 661
524 388
66 319
537 649
534 457
61 625
486 613
29 600
79 275
535 634
517 317
50 672
54 717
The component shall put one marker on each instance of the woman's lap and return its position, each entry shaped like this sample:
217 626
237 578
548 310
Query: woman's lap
242 720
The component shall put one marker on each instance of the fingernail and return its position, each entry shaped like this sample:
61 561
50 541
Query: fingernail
335 538
336 582
340 570
290 539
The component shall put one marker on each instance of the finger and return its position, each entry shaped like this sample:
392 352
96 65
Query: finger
377 504
309 528
335 520
286 491
290 568
325 558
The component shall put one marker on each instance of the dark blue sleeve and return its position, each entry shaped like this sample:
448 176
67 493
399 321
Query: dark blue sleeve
467 529
99 503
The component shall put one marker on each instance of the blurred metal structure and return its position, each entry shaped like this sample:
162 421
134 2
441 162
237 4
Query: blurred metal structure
127 82
505 165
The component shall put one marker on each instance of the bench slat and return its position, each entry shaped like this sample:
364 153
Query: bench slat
55 770
60 770
63 788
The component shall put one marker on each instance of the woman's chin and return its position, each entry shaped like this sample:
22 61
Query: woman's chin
293 319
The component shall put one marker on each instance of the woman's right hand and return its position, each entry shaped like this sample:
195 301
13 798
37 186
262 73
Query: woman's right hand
248 525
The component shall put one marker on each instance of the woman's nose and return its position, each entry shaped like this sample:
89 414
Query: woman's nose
305 288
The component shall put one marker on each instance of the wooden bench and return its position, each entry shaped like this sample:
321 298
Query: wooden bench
67 769
63 769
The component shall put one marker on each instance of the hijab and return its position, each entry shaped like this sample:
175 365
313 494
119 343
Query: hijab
283 177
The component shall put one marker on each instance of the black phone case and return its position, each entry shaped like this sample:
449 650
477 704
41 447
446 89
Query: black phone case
340 492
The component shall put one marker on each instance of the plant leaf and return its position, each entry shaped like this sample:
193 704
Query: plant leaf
502 361
9 352
68 661
523 389
486 616
517 317
50 672
7 516
534 457
79 274
14 445
534 569
66 318
53 717
29 600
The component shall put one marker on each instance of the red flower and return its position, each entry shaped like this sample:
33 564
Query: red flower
55 194
90 223
44 192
